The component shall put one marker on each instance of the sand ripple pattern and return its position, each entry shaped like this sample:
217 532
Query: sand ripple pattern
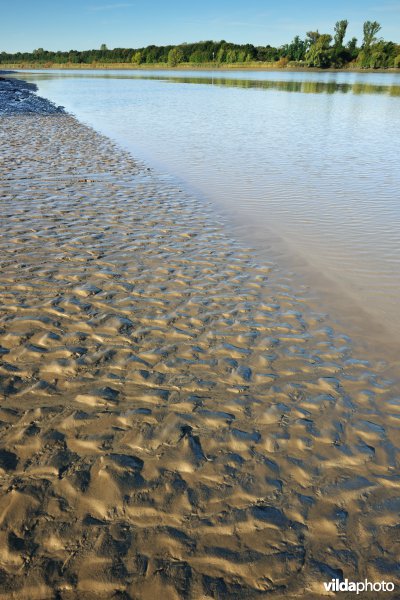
175 422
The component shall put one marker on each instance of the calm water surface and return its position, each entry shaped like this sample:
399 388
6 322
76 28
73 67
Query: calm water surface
311 157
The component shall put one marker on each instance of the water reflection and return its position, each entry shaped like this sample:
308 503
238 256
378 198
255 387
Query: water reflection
307 86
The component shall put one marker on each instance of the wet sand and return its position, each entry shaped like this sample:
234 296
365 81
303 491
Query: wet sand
175 420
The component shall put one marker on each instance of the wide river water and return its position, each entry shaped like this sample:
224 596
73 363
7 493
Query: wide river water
304 163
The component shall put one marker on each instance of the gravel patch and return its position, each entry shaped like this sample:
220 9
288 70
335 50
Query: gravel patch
19 97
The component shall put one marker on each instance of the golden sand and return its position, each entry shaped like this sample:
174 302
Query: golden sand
175 421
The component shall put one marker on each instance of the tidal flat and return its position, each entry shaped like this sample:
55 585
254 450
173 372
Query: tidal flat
176 420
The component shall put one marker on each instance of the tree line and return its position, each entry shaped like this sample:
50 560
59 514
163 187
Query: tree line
321 50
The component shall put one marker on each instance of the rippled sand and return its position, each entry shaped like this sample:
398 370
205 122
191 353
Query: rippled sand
175 421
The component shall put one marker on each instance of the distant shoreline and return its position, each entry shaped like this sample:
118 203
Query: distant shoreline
187 67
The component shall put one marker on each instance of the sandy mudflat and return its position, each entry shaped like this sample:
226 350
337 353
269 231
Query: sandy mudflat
175 422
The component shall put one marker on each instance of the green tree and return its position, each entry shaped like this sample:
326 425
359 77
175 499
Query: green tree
221 54
370 29
175 56
379 56
340 32
231 56
151 54
103 47
339 54
319 54
267 53
312 37
370 54
199 56
352 47
136 57
296 50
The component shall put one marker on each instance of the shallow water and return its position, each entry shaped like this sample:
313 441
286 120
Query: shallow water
311 157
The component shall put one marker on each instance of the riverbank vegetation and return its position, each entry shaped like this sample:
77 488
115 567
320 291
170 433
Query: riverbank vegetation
319 50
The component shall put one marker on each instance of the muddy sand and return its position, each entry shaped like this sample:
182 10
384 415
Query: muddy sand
175 421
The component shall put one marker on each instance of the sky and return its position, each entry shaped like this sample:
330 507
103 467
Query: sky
86 24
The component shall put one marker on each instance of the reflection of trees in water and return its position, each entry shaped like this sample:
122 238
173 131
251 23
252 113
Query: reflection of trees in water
305 87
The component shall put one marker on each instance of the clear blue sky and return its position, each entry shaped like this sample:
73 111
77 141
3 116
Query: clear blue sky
85 24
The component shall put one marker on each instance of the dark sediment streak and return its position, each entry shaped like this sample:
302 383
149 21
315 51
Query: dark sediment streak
18 97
